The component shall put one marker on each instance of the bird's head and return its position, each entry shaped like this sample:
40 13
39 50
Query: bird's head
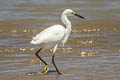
70 12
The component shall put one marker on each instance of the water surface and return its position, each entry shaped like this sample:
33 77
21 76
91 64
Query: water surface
91 53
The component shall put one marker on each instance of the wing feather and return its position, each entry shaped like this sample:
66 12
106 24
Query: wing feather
50 35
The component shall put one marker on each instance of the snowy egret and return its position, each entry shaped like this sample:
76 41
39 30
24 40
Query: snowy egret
53 36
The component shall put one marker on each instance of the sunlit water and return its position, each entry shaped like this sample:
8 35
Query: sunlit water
91 53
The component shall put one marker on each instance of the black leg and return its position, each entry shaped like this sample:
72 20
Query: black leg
40 57
55 65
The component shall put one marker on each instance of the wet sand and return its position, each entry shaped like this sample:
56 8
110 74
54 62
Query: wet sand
91 53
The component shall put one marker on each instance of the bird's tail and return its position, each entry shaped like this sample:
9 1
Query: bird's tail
33 42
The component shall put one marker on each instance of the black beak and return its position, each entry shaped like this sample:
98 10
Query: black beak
79 16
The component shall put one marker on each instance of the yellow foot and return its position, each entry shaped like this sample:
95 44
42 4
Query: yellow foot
46 69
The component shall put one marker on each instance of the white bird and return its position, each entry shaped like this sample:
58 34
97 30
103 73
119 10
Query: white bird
53 36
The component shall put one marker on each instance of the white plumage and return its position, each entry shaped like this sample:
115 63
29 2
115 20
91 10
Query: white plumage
56 34
50 36
53 36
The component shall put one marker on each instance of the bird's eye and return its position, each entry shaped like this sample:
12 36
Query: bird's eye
73 13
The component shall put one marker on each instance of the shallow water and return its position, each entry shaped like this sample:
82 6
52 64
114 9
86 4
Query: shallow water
91 53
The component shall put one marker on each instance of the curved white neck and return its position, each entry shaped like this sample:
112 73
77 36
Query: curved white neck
66 22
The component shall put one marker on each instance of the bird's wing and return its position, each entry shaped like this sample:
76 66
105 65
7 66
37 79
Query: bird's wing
50 35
